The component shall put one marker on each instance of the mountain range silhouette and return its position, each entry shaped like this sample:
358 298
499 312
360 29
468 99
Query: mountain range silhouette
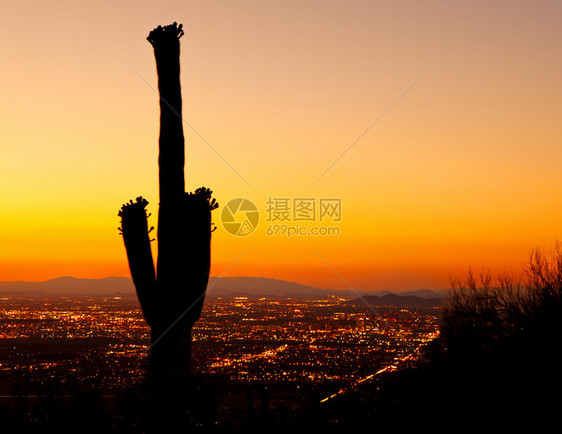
224 287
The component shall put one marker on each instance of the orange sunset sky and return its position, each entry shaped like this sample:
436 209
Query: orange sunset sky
464 169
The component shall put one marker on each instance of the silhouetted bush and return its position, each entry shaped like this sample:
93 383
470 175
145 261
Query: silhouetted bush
494 368
496 361
508 314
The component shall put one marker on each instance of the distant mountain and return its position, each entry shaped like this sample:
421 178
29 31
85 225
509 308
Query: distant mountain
398 300
225 287
265 287
425 293
420 293
69 286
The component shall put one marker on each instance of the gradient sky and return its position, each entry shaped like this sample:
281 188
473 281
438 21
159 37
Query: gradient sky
463 170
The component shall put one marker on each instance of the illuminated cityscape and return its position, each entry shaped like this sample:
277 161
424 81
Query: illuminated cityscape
103 341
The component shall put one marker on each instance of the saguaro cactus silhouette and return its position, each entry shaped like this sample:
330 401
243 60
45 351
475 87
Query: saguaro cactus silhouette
171 296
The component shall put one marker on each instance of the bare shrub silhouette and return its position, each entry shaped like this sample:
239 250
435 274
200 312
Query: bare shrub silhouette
487 314
497 359
495 366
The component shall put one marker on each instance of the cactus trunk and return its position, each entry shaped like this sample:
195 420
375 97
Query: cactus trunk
171 296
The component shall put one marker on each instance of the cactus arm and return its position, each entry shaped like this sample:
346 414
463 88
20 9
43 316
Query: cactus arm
195 212
134 228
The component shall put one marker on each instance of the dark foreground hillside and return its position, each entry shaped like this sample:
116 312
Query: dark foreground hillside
443 395
471 395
